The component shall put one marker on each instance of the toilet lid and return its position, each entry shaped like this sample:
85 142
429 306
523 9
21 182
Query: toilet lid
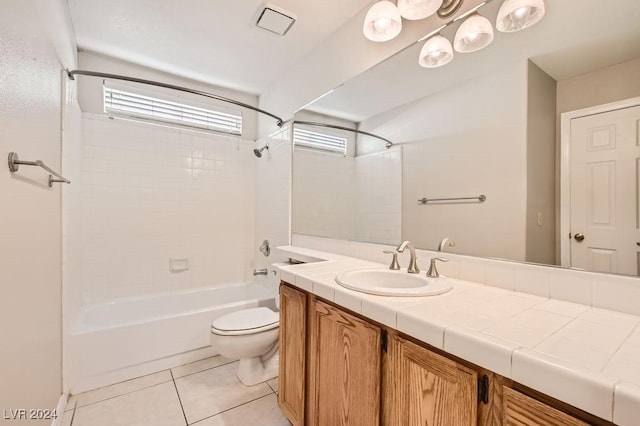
247 320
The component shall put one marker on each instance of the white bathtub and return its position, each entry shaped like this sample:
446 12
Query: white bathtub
116 341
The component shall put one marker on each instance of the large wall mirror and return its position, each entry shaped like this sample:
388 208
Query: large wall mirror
489 123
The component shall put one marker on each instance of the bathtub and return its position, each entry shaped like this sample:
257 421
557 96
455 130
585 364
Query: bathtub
120 340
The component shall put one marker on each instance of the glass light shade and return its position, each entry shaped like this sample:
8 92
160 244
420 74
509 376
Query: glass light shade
436 52
474 34
383 22
418 9
516 15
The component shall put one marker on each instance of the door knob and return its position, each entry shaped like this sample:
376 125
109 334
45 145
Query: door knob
579 237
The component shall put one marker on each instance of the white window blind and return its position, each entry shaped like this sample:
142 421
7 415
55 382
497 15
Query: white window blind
129 104
319 140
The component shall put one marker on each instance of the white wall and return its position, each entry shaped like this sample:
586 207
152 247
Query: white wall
348 198
541 163
465 141
30 231
378 196
148 194
324 188
273 197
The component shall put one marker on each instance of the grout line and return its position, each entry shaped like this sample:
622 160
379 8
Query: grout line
73 416
201 371
145 387
123 394
186 422
229 409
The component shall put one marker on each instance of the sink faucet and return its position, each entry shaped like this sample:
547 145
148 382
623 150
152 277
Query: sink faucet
446 242
413 266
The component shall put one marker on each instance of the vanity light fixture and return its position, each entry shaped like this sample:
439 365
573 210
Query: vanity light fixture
418 9
383 21
475 33
436 52
516 15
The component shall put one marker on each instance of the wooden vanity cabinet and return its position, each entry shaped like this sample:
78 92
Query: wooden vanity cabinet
521 410
343 368
421 387
337 368
292 353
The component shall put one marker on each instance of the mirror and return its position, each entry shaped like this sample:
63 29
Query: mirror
488 123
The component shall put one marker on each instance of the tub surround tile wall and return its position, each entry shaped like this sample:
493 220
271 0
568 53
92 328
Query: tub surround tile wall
147 194
330 191
582 354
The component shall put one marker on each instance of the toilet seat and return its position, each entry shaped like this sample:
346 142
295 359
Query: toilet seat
246 321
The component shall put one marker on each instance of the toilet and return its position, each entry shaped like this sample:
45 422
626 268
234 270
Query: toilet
252 336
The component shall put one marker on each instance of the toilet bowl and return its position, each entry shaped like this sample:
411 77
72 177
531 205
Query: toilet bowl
252 336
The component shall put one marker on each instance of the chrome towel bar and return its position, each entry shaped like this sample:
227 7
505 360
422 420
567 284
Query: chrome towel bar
15 162
479 198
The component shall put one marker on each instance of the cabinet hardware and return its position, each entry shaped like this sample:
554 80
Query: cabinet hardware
483 389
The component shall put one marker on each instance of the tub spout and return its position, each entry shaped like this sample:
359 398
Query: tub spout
263 271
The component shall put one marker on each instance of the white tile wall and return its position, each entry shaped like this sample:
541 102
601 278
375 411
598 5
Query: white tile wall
323 194
617 293
146 194
378 196
348 198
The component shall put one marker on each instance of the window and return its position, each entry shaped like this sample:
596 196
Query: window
128 104
323 141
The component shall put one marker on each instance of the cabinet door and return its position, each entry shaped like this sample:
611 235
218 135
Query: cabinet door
344 369
293 315
424 388
520 410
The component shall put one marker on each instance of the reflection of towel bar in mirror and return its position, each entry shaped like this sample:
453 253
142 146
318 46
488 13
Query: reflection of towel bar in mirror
15 162
479 198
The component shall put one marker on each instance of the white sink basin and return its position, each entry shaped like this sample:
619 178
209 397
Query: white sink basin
385 282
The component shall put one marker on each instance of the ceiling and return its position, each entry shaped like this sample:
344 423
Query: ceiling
212 41
575 37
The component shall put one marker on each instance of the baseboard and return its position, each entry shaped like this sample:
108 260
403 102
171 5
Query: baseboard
60 408
131 372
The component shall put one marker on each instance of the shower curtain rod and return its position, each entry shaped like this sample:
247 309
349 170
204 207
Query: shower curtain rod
388 143
73 73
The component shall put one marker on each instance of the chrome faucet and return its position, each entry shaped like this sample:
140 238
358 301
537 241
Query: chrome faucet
413 266
446 242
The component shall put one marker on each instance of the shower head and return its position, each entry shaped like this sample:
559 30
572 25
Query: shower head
258 152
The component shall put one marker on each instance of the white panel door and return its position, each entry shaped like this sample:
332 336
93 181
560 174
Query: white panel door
605 156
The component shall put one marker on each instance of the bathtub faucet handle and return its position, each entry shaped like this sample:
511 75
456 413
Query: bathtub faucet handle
265 248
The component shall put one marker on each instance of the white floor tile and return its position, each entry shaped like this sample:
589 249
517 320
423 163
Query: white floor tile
122 388
66 418
156 405
273 384
263 412
198 366
212 391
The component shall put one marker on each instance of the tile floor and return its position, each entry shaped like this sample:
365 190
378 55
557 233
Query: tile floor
203 393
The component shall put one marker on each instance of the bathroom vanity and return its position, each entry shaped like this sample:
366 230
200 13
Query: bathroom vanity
338 367
485 352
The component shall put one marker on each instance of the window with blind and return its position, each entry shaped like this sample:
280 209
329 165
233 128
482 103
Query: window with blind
128 104
317 140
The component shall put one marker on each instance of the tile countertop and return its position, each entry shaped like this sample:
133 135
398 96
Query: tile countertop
585 356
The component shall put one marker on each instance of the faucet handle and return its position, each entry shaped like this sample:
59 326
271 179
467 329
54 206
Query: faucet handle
433 270
395 266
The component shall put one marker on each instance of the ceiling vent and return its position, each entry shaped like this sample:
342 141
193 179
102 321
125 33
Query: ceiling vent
274 19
